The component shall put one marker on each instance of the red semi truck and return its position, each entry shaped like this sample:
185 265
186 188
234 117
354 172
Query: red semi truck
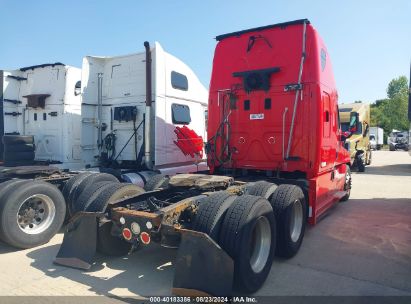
273 110
276 158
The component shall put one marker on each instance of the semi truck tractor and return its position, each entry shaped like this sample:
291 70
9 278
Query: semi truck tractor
355 119
376 138
277 161
40 116
143 119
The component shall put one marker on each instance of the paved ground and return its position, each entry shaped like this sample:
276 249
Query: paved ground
362 247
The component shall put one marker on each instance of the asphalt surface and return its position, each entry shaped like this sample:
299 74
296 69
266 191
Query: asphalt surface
361 247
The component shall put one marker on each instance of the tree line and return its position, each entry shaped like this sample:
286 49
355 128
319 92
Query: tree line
392 112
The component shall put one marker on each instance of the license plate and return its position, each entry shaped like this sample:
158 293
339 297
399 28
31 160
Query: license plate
256 116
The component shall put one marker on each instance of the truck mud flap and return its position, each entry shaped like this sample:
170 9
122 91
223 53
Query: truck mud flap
202 267
80 241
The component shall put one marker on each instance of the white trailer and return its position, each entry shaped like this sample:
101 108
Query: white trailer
131 123
376 138
43 101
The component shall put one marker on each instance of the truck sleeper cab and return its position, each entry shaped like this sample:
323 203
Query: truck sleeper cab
273 111
40 115
273 125
124 128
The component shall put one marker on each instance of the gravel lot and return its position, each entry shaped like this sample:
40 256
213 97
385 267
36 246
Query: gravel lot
361 247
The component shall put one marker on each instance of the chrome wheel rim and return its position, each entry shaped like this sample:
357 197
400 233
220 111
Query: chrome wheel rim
296 222
36 214
347 185
260 244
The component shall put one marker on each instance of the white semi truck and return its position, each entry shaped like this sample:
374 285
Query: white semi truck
143 112
376 138
40 113
141 115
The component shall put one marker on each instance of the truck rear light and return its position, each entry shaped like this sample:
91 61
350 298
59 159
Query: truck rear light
145 238
135 227
127 234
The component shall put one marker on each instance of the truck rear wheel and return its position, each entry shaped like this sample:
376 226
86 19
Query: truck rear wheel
248 235
210 213
157 181
71 184
261 188
86 196
347 184
110 193
86 182
31 214
4 187
290 210
360 163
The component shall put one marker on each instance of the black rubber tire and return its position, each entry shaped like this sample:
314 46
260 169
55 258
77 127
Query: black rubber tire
210 213
19 156
156 182
72 183
10 163
19 148
236 236
115 172
10 205
347 185
4 187
82 202
282 202
261 188
110 193
87 182
70 186
360 164
110 245
18 139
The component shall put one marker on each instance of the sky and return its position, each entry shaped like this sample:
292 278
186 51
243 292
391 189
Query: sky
369 42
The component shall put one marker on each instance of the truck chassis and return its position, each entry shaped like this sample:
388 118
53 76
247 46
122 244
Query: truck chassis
195 213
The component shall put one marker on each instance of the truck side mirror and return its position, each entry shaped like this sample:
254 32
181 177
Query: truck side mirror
345 135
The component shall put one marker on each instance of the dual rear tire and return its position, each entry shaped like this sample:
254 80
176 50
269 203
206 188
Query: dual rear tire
93 192
245 227
31 212
252 229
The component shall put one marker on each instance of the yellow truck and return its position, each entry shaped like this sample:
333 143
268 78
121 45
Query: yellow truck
355 119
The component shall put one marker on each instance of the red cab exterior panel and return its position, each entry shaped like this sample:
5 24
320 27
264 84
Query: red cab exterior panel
273 108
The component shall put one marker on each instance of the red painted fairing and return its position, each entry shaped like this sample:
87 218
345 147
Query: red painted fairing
258 143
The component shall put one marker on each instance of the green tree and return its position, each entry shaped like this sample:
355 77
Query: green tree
398 87
391 113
